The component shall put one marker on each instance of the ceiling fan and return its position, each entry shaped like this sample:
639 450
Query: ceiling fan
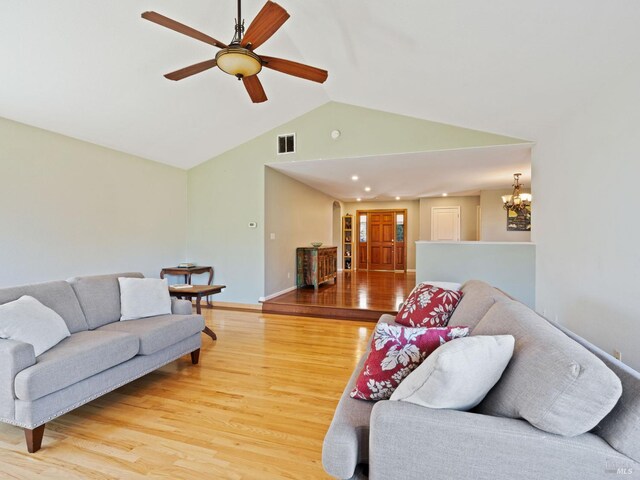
238 58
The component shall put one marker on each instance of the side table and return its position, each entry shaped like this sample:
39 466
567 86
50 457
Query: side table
197 292
187 272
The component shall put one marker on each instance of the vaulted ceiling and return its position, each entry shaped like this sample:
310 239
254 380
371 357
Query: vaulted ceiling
93 69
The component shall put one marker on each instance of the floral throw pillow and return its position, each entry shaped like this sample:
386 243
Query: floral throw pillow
428 306
395 352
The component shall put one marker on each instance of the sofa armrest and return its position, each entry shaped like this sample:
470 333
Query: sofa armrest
181 307
14 357
412 442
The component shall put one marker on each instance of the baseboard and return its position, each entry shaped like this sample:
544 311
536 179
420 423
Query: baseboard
235 306
411 270
277 294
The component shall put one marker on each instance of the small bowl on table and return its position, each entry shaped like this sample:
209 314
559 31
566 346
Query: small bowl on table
316 244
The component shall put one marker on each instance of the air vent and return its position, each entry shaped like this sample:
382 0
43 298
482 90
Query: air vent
286 143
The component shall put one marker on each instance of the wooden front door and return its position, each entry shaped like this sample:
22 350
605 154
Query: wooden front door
381 240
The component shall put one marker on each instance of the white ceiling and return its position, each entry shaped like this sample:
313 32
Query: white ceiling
426 174
93 69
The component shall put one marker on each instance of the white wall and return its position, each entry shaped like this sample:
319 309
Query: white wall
585 173
296 215
69 208
493 227
508 266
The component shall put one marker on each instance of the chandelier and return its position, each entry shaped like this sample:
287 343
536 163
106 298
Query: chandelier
517 202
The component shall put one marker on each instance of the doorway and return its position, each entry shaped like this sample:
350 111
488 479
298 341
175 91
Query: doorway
445 224
381 240
337 226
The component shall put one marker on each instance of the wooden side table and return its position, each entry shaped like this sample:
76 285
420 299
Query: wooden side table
187 272
197 292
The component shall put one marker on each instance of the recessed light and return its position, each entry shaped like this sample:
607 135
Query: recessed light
397 198
354 178
444 194
367 189
358 199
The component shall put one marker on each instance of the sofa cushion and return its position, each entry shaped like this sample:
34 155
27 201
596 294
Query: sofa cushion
621 428
99 297
459 374
552 382
476 302
428 306
58 296
156 333
80 356
27 320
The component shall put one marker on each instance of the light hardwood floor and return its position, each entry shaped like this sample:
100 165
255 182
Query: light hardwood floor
256 407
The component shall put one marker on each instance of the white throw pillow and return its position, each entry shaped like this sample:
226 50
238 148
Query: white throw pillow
459 374
29 321
445 285
143 297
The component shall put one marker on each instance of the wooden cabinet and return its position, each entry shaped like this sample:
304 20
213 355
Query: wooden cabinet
347 242
316 265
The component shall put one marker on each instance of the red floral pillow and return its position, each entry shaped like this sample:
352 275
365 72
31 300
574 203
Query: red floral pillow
428 306
395 352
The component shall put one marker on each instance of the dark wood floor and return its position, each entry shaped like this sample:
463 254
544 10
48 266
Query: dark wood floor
357 295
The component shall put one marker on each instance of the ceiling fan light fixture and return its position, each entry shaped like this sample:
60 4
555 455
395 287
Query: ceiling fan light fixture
238 61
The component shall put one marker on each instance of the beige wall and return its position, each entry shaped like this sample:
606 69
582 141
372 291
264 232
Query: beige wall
588 257
69 208
296 215
413 221
494 218
227 192
468 215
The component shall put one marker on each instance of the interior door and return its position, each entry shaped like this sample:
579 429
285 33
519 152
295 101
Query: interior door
445 224
381 240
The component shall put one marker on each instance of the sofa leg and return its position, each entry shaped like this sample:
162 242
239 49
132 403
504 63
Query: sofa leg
34 438
195 356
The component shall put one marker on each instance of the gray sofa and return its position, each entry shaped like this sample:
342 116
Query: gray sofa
101 354
390 439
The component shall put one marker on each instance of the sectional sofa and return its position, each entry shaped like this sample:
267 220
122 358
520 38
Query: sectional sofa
101 354
395 439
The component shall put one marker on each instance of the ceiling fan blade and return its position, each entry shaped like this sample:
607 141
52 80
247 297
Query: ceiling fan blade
191 70
254 87
294 68
181 28
266 23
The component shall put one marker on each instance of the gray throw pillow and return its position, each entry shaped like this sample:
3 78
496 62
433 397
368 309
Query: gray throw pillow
29 321
553 382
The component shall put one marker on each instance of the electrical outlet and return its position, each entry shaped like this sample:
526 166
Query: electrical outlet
617 354
288 274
